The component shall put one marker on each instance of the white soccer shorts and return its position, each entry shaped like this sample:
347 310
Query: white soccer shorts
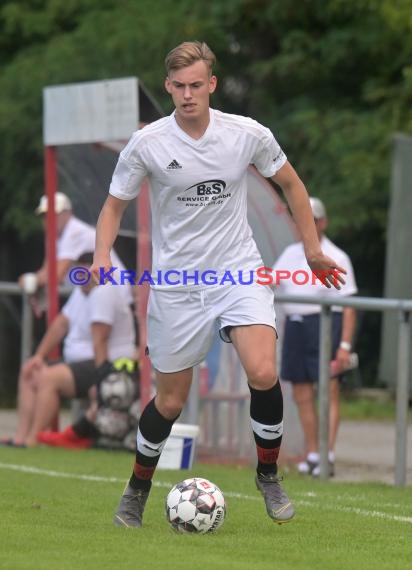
181 323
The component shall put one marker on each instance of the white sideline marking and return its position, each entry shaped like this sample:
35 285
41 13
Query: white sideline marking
351 499
306 503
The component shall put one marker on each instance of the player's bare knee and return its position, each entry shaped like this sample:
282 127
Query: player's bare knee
169 407
263 378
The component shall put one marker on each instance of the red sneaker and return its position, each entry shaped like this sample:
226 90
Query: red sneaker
67 438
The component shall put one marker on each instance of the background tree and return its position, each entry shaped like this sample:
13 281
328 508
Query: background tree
332 78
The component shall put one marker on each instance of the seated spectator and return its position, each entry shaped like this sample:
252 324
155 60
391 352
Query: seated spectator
97 326
111 420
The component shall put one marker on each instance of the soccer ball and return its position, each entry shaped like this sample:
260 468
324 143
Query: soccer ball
195 506
112 423
117 390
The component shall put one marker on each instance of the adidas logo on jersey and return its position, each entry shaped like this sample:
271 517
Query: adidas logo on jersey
174 165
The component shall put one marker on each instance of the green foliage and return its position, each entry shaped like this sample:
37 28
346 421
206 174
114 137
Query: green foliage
333 79
359 408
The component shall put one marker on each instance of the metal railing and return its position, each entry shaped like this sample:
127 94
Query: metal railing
26 342
12 288
402 306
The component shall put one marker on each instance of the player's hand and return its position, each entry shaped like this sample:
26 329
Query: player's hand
327 271
101 265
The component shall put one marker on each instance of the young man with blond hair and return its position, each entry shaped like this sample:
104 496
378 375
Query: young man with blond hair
196 161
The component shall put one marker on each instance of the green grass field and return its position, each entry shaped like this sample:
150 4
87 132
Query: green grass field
367 409
57 506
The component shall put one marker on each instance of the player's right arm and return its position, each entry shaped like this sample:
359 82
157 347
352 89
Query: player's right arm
107 229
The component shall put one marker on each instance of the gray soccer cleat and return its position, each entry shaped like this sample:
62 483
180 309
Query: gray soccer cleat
130 510
278 506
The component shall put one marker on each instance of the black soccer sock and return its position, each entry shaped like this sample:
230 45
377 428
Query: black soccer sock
85 428
266 413
152 435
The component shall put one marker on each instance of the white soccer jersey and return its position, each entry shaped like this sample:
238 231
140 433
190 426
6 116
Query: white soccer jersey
198 192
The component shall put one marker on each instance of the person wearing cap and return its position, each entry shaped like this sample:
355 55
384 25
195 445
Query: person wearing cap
300 347
74 237
96 328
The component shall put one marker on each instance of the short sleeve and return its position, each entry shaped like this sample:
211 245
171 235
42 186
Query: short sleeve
72 247
72 304
76 238
103 302
269 157
130 171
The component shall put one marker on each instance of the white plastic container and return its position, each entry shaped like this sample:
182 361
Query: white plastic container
179 451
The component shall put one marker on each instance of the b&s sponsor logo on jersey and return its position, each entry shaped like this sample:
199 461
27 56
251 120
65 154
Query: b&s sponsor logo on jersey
208 187
205 193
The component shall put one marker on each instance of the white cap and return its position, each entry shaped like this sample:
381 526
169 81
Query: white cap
61 203
318 208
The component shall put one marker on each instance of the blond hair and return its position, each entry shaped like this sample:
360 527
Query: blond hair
188 53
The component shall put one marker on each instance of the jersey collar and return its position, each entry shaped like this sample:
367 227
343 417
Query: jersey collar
184 136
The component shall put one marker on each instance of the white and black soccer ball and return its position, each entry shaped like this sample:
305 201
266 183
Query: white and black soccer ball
117 390
113 424
195 505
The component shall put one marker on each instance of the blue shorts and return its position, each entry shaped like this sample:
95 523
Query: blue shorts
300 347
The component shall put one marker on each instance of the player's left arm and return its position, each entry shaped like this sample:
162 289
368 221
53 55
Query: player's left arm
297 197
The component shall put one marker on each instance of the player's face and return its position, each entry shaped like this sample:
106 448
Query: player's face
190 88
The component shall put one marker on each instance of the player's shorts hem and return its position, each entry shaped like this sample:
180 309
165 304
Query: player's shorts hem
224 332
182 325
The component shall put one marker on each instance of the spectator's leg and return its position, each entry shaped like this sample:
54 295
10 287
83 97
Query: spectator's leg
334 416
55 381
304 397
26 400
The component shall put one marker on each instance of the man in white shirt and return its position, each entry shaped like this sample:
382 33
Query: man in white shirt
74 237
300 347
196 161
96 326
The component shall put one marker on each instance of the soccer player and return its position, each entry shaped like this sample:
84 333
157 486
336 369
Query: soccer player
196 161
